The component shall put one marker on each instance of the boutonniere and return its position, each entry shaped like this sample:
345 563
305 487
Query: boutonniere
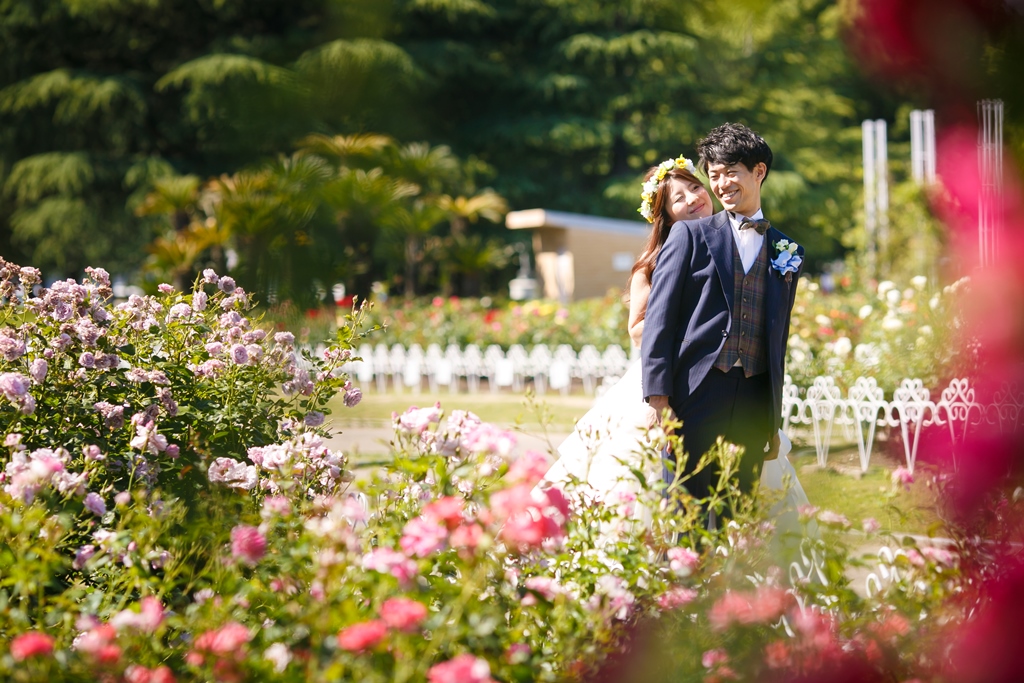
786 261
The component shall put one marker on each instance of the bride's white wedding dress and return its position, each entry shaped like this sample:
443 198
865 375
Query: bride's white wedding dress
609 444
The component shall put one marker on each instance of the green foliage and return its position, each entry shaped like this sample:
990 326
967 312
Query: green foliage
553 104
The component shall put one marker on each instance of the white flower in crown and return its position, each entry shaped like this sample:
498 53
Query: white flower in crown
650 188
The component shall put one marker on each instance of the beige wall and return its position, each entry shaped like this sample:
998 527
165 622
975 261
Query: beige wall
590 258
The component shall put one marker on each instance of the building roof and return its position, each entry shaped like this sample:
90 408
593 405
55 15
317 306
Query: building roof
543 218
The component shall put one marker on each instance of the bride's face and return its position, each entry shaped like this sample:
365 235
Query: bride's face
687 200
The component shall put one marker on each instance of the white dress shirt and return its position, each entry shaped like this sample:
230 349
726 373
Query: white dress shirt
748 242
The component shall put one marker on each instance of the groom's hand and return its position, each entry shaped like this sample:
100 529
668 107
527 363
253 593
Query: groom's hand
658 405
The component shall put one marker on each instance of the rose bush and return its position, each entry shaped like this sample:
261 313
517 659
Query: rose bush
170 512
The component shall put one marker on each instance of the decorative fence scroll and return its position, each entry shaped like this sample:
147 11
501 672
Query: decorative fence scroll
820 406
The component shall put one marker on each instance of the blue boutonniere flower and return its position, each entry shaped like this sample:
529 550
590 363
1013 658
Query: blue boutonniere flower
786 261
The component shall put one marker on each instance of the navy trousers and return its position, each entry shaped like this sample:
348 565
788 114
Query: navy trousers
735 407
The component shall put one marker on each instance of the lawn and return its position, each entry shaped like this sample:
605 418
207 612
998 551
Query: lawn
499 408
838 487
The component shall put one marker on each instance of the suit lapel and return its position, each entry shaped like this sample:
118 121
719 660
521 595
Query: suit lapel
773 290
718 236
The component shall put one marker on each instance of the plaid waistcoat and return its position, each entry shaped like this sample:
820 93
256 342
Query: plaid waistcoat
747 339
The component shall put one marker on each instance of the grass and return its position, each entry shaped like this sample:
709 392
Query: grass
835 488
870 495
501 408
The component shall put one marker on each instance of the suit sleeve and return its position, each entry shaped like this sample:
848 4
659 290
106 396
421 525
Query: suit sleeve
661 322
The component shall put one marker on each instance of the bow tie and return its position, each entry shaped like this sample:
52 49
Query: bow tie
760 225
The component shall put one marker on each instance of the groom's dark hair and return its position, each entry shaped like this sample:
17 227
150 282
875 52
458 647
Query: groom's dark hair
734 143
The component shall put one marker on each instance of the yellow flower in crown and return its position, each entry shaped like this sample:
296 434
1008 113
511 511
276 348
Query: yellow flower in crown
650 188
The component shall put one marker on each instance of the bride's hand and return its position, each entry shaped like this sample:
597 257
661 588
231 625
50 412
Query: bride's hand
655 408
651 420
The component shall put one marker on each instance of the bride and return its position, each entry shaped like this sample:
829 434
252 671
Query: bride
607 445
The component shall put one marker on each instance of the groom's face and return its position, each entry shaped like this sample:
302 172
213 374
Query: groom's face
737 187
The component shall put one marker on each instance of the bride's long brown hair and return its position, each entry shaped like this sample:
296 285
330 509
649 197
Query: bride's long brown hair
659 228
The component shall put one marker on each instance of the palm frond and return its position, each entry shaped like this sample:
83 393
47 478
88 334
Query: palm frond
343 147
170 195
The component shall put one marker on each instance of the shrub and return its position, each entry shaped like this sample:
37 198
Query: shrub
172 510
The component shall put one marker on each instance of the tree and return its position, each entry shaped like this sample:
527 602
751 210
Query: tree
100 100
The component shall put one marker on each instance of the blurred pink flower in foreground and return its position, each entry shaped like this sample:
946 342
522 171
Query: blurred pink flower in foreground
32 644
422 536
403 614
248 544
462 669
362 636
529 516
901 476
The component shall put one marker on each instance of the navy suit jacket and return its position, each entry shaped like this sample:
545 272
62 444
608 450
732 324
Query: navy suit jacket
689 312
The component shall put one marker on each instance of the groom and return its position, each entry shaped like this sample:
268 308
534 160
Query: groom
717 321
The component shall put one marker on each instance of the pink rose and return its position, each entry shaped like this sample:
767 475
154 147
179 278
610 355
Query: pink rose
676 597
423 536
388 561
140 674
712 658
835 519
416 420
32 644
248 545
403 614
447 510
529 469
682 561
902 477
225 640
362 636
529 516
462 669
467 536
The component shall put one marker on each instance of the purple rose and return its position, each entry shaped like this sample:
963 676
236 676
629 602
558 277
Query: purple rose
239 354
226 284
13 385
38 370
352 397
94 504
199 300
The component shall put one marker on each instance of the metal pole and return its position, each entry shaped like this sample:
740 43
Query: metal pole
917 145
990 167
882 195
928 119
868 133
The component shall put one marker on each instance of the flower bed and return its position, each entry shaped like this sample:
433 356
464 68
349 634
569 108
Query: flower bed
896 331
130 428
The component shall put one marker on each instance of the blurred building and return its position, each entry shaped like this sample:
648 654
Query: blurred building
580 256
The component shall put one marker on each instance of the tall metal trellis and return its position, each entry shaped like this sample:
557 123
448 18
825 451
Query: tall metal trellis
990 166
922 146
876 189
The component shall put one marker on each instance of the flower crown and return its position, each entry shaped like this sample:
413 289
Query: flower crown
650 188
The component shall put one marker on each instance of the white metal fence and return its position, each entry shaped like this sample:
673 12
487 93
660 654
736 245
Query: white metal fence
821 407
